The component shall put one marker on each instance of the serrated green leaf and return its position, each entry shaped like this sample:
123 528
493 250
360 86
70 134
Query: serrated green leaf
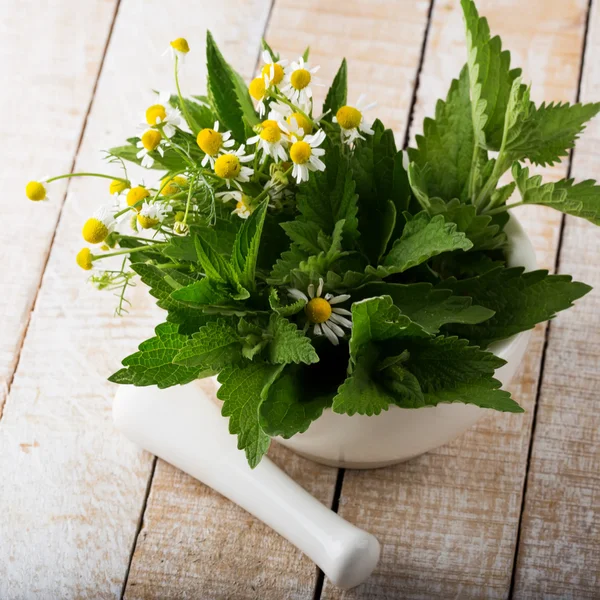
285 310
305 234
242 389
338 92
153 363
404 386
520 301
207 293
288 344
200 114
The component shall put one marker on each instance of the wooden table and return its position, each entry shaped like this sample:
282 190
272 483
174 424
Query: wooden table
510 509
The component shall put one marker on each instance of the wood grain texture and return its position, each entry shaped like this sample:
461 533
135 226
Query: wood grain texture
448 520
559 551
48 86
72 487
220 551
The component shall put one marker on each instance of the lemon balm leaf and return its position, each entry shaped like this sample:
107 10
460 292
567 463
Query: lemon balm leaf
288 344
338 92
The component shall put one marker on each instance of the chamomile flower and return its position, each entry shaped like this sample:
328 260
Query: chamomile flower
229 195
258 90
273 70
297 83
294 122
271 141
352 122
36 191
305 155
96 229
150 141
117 186
229 167
84 259
178 49
173 185
322 313
213 143
243 209
151 215
135 195
163 115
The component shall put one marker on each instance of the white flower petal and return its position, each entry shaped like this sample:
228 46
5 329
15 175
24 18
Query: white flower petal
340 298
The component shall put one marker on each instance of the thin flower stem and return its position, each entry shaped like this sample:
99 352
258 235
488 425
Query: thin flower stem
181 102
187 204
68 175
129 251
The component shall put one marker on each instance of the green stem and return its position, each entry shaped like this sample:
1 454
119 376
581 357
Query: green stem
181 102
265 193
187 204
129 251
166 266
504 208
111 177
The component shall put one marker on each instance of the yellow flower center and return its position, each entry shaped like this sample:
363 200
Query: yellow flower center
209 141
173 185
300 152
94 231
147 222
277 73
84 259
300 79
35 191
151 139
318 310
228 166
301 121
181 45
348 117
257 88
156 111
268 123
271 134
135 195
117 186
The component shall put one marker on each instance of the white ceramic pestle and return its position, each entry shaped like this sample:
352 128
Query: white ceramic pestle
184 427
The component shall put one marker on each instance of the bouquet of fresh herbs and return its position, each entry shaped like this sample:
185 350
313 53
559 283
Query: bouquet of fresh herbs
310 263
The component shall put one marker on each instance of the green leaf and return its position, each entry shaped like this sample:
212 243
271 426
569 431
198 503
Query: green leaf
206 293
577 199
288 344
305 234
274 56
289 407
427 306
199 112
213 264
153 363
285 310
246 247
224 91
404 386
520 301
214 347
423 237
242 389
446 145
338 92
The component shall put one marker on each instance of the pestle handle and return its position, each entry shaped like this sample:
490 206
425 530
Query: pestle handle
184 427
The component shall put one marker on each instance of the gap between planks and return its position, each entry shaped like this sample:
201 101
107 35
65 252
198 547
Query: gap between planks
563 220
21 342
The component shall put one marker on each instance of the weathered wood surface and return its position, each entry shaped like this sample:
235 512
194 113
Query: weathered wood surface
215 550
49 69
448 520
558 555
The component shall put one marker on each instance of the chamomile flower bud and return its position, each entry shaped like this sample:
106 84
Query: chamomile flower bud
133 222
181 228
173 185
151 215
84 259
229 167
180 45
258 91
135 195
117 186
96 229
36 191
150 141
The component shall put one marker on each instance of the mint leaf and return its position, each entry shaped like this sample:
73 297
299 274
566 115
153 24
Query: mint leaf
242 389
214 347
338 92
577 199
423 237
288 344
520 301
427 306
447 143
289 407
153 363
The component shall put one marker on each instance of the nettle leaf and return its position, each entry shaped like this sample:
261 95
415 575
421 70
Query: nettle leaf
289 407
246 247
214 347
577 199
274 56
329 196
429 307
286 264
207 293
446 145
403 384
423 237
449 370
520 301
338 92
305 234
224 90
289 344
285 310
153 363
242 390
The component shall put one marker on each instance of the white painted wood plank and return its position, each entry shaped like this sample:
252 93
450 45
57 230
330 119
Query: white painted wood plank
72 487
50 55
